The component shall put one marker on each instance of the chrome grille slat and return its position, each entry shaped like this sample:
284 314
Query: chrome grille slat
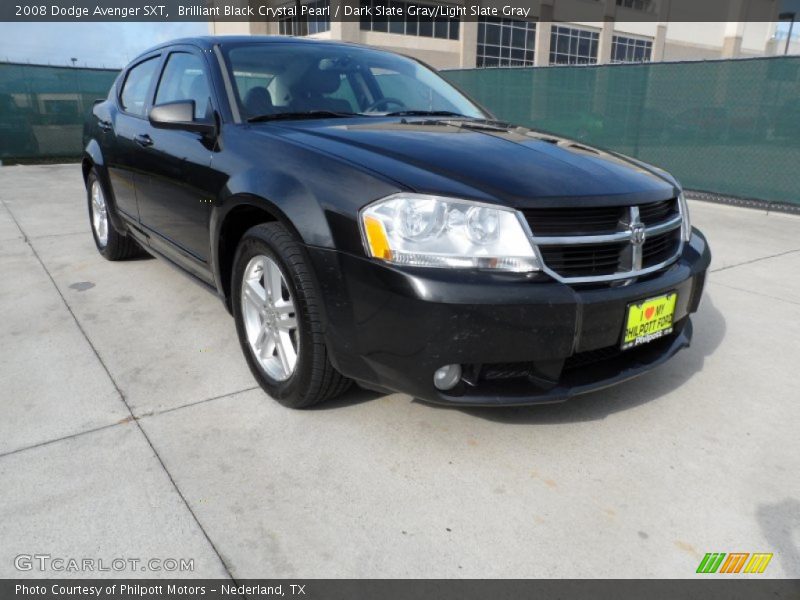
598 244
619 236
656 212
558 221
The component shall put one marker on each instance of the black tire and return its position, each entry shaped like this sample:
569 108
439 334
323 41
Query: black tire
314 379
117 246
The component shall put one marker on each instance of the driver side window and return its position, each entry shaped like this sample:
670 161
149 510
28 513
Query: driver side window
184 78
133 98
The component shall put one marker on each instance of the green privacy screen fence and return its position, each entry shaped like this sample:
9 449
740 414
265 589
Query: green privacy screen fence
728 127
42 108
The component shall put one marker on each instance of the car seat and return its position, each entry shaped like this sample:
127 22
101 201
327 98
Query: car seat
258 101
308 94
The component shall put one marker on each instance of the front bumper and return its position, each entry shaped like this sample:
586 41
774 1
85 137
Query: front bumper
518 341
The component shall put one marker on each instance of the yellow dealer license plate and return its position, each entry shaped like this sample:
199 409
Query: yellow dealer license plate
649 320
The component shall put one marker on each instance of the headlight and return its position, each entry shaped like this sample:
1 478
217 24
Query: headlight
686 226
432 231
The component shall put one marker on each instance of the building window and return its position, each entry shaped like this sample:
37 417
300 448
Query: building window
306 25
505 42
571 46
445 28
643 5
628 49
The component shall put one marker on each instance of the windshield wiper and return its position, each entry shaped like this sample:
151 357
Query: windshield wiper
485 124
424 113
308 114
456 120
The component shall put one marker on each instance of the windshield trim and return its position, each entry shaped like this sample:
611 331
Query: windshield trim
233 105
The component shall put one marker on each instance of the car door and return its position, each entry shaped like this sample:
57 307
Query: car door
126 152
177 184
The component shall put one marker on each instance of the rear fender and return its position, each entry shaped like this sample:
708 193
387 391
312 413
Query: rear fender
93 159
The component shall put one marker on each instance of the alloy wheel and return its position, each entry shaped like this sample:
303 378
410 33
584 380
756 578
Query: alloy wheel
99 214
270 318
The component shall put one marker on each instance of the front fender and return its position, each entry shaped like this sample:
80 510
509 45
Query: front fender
282 195
316 195
217 220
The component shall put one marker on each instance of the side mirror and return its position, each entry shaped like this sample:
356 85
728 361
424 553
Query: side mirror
180 115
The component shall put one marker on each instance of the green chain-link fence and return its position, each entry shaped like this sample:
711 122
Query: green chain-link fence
42 109
728 127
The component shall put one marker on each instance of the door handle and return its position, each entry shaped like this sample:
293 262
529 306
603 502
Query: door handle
104 125
143 140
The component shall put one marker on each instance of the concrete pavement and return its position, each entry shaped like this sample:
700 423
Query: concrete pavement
131 428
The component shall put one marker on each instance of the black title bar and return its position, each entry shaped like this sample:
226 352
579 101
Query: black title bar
355 10
710 587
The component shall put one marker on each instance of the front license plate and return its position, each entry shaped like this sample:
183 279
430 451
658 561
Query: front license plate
649 320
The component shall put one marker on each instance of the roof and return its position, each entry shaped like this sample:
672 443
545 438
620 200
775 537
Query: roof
207 42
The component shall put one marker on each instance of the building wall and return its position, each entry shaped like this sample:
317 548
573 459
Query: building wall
687 51
232 28
443 54
672 40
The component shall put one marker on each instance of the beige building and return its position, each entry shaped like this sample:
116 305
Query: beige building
616 31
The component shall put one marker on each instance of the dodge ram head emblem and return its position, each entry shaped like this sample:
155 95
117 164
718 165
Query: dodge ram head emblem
638 233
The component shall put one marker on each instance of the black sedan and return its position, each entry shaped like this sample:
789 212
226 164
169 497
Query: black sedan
363 220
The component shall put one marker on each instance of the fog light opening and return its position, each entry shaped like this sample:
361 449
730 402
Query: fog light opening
447 377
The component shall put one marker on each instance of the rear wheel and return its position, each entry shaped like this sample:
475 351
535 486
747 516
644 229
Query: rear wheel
110 243
276 307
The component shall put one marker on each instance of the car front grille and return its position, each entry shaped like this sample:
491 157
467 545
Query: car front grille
573 221
658 212
584 259
660 248
590 244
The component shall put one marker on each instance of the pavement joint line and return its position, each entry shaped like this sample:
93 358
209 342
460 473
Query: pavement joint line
125 421
13 218
64 438
754 260
771 297
124 400
55 235
158 413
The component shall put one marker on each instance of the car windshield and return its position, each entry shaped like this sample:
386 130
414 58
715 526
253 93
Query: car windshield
319 80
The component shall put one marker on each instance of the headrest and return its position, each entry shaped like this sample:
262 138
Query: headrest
258 101
322 82
198 88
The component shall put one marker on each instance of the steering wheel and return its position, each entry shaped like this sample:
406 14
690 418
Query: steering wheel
384 100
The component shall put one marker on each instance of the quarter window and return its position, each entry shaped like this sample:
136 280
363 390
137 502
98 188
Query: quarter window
133 98
184 78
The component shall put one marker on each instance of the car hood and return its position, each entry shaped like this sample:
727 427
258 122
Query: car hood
514 165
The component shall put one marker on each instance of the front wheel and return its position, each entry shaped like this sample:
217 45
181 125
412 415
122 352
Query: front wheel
276 308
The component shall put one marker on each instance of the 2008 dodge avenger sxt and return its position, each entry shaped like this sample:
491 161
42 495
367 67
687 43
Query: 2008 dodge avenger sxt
365 221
